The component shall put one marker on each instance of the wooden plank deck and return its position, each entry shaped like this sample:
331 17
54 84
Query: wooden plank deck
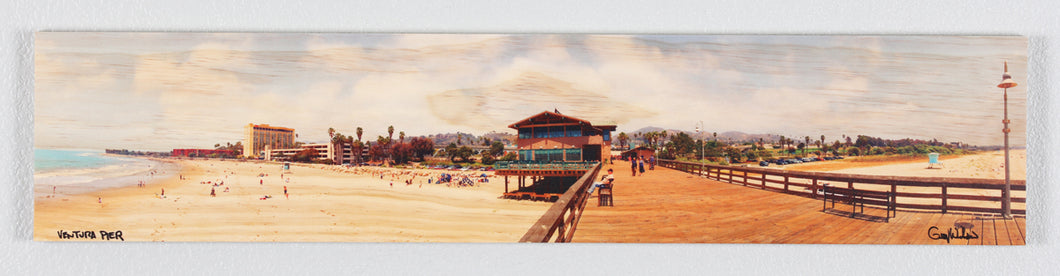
669 206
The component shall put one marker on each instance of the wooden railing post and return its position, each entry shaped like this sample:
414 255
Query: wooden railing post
763 179
894 191
785 183
813 189
944 197
745 178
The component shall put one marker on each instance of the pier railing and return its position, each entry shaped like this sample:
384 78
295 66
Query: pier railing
532 165
972 195
559 222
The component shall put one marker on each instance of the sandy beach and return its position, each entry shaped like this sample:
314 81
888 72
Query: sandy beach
989 165
326 203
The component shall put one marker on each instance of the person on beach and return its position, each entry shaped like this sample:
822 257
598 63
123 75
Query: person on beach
213 192
285 192
261 182
163 192
633 165
651 163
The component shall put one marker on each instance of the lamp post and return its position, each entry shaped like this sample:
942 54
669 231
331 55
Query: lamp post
702 145
1006 197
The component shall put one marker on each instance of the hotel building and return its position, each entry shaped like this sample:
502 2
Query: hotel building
338 153
257 137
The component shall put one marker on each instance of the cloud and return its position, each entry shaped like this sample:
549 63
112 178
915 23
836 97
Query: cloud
180 93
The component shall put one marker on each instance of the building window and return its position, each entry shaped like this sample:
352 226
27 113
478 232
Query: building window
541 132
556 131
607 135
556 155
541 155
524 133
574 154
574 131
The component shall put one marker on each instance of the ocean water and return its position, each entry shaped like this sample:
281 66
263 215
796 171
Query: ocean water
78 171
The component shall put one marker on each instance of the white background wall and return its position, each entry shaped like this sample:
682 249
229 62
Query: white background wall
1037 20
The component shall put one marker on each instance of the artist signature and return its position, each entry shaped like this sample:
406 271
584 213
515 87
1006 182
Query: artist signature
952 233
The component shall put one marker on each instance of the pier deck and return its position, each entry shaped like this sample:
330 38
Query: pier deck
669 206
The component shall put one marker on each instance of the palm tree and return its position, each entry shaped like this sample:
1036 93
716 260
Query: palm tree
390 137
331 132
623 139
782 140
807 144
823 144
401 137
359 146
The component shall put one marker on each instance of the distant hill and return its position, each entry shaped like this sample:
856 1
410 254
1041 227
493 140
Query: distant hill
469 139
735 136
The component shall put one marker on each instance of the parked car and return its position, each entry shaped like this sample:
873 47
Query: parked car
763 163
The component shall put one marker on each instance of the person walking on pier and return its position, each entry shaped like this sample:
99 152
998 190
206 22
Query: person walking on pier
641 161
633 165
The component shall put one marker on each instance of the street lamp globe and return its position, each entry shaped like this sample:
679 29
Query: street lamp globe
1006 79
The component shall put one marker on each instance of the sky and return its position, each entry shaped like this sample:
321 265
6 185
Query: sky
159 91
